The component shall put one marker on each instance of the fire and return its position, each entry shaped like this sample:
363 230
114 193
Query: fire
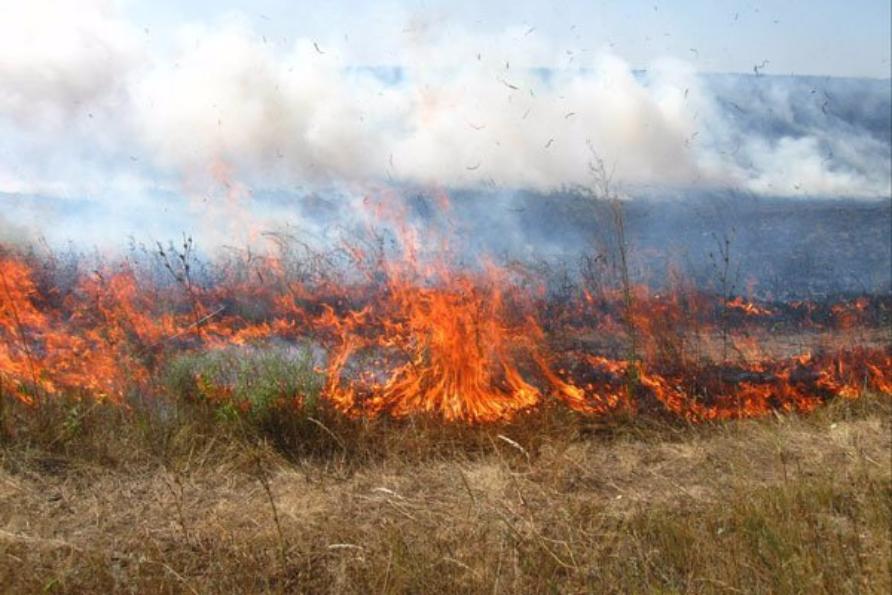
414 333
17 315
748 308
448 350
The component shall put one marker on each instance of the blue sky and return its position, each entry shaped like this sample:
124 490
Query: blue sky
804 37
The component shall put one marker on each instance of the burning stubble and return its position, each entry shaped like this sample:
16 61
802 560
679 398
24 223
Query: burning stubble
400 327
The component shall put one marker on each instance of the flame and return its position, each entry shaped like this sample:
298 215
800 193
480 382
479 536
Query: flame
748 308
450 350
414 333
18 314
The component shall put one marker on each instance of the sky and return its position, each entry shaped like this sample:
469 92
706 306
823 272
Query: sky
132 115
821 37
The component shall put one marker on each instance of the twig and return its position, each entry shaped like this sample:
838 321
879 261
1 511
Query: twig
515 445
327 431
187 329
264 481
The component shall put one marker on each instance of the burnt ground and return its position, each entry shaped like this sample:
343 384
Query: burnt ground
780 248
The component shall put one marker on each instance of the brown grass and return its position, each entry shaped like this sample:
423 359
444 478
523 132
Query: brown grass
181 503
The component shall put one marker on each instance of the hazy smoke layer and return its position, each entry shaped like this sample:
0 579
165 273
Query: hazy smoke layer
88 107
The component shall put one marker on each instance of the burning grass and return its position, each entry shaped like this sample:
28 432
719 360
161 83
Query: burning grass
366 419
414 337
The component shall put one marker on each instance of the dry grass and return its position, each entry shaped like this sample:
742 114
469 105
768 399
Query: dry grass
551 503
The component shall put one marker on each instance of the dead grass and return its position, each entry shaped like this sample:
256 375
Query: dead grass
127 502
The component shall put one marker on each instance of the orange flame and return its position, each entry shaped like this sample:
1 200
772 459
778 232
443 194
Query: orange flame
419 336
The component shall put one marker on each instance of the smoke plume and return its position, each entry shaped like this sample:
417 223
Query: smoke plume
94 108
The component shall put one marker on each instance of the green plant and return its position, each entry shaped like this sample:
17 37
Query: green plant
270 391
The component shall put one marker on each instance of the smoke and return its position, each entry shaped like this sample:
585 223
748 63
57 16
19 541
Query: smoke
453 116
58 58
12 233
89 108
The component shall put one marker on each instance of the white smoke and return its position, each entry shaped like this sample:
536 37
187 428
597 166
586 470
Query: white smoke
59 57
81 91
302 115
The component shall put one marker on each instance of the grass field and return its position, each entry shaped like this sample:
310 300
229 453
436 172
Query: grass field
103 499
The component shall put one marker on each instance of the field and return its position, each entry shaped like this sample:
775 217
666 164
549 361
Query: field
93 499
382 418
438 297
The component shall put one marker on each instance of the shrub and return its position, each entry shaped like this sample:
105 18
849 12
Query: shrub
252 384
